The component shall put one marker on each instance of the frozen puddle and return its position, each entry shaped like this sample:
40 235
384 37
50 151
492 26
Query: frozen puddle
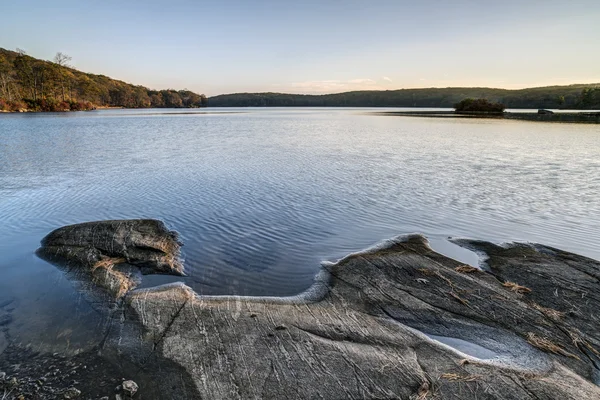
468 348
454 251
485 344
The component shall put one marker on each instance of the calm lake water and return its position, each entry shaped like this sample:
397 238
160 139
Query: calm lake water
262 196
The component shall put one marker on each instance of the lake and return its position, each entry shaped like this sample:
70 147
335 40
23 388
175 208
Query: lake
262 196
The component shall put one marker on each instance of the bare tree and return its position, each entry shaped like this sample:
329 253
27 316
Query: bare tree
62 60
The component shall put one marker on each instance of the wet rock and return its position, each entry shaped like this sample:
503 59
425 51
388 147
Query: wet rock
110 253
129 388
71 393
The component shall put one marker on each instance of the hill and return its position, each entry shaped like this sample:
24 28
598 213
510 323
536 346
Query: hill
583 96
38 85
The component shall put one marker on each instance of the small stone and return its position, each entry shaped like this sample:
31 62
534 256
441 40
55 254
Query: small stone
71 393
13 383
21 397
2 376
129 388
118 397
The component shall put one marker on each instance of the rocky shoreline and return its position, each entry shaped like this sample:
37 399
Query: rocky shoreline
398 321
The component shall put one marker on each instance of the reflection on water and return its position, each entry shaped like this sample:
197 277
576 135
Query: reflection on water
261 196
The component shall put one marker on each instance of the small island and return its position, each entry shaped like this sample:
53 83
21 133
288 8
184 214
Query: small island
484 108
478 106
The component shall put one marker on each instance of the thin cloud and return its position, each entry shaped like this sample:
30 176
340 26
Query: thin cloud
334 85
387 79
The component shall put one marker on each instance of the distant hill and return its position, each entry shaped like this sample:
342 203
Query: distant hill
30 83
584 96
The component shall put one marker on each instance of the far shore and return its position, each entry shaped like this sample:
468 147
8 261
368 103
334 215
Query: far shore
578 117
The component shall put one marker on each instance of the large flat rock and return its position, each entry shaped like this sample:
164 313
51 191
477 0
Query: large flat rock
397 322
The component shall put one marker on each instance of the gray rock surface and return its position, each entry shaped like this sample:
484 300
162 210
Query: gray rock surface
396 322
111 253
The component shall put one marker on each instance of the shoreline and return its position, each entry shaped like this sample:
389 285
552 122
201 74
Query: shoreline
418 323
564 117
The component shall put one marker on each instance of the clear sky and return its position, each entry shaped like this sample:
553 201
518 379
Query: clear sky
314 46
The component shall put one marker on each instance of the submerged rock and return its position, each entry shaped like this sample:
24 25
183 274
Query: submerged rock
129 388
110 253
398 322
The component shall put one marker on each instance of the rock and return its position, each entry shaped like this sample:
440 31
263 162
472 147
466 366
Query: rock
108 253
377 332
370 327
71 393
129 388
545 112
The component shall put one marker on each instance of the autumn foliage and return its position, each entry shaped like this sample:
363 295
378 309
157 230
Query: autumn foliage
30 84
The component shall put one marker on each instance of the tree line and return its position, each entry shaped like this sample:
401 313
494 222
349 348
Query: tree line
585 97
28 83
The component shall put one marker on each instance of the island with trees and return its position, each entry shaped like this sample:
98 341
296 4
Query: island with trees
484 108
478 106
31 84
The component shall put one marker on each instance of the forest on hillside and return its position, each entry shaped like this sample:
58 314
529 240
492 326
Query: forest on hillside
586 97
28 83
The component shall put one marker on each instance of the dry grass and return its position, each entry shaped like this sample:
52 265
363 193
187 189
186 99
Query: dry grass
464 302
466 269
549 312
460 378
581 343
423 391
547 345
514 287
108 262
428 272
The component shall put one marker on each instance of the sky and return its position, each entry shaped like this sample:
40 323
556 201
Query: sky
314 46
